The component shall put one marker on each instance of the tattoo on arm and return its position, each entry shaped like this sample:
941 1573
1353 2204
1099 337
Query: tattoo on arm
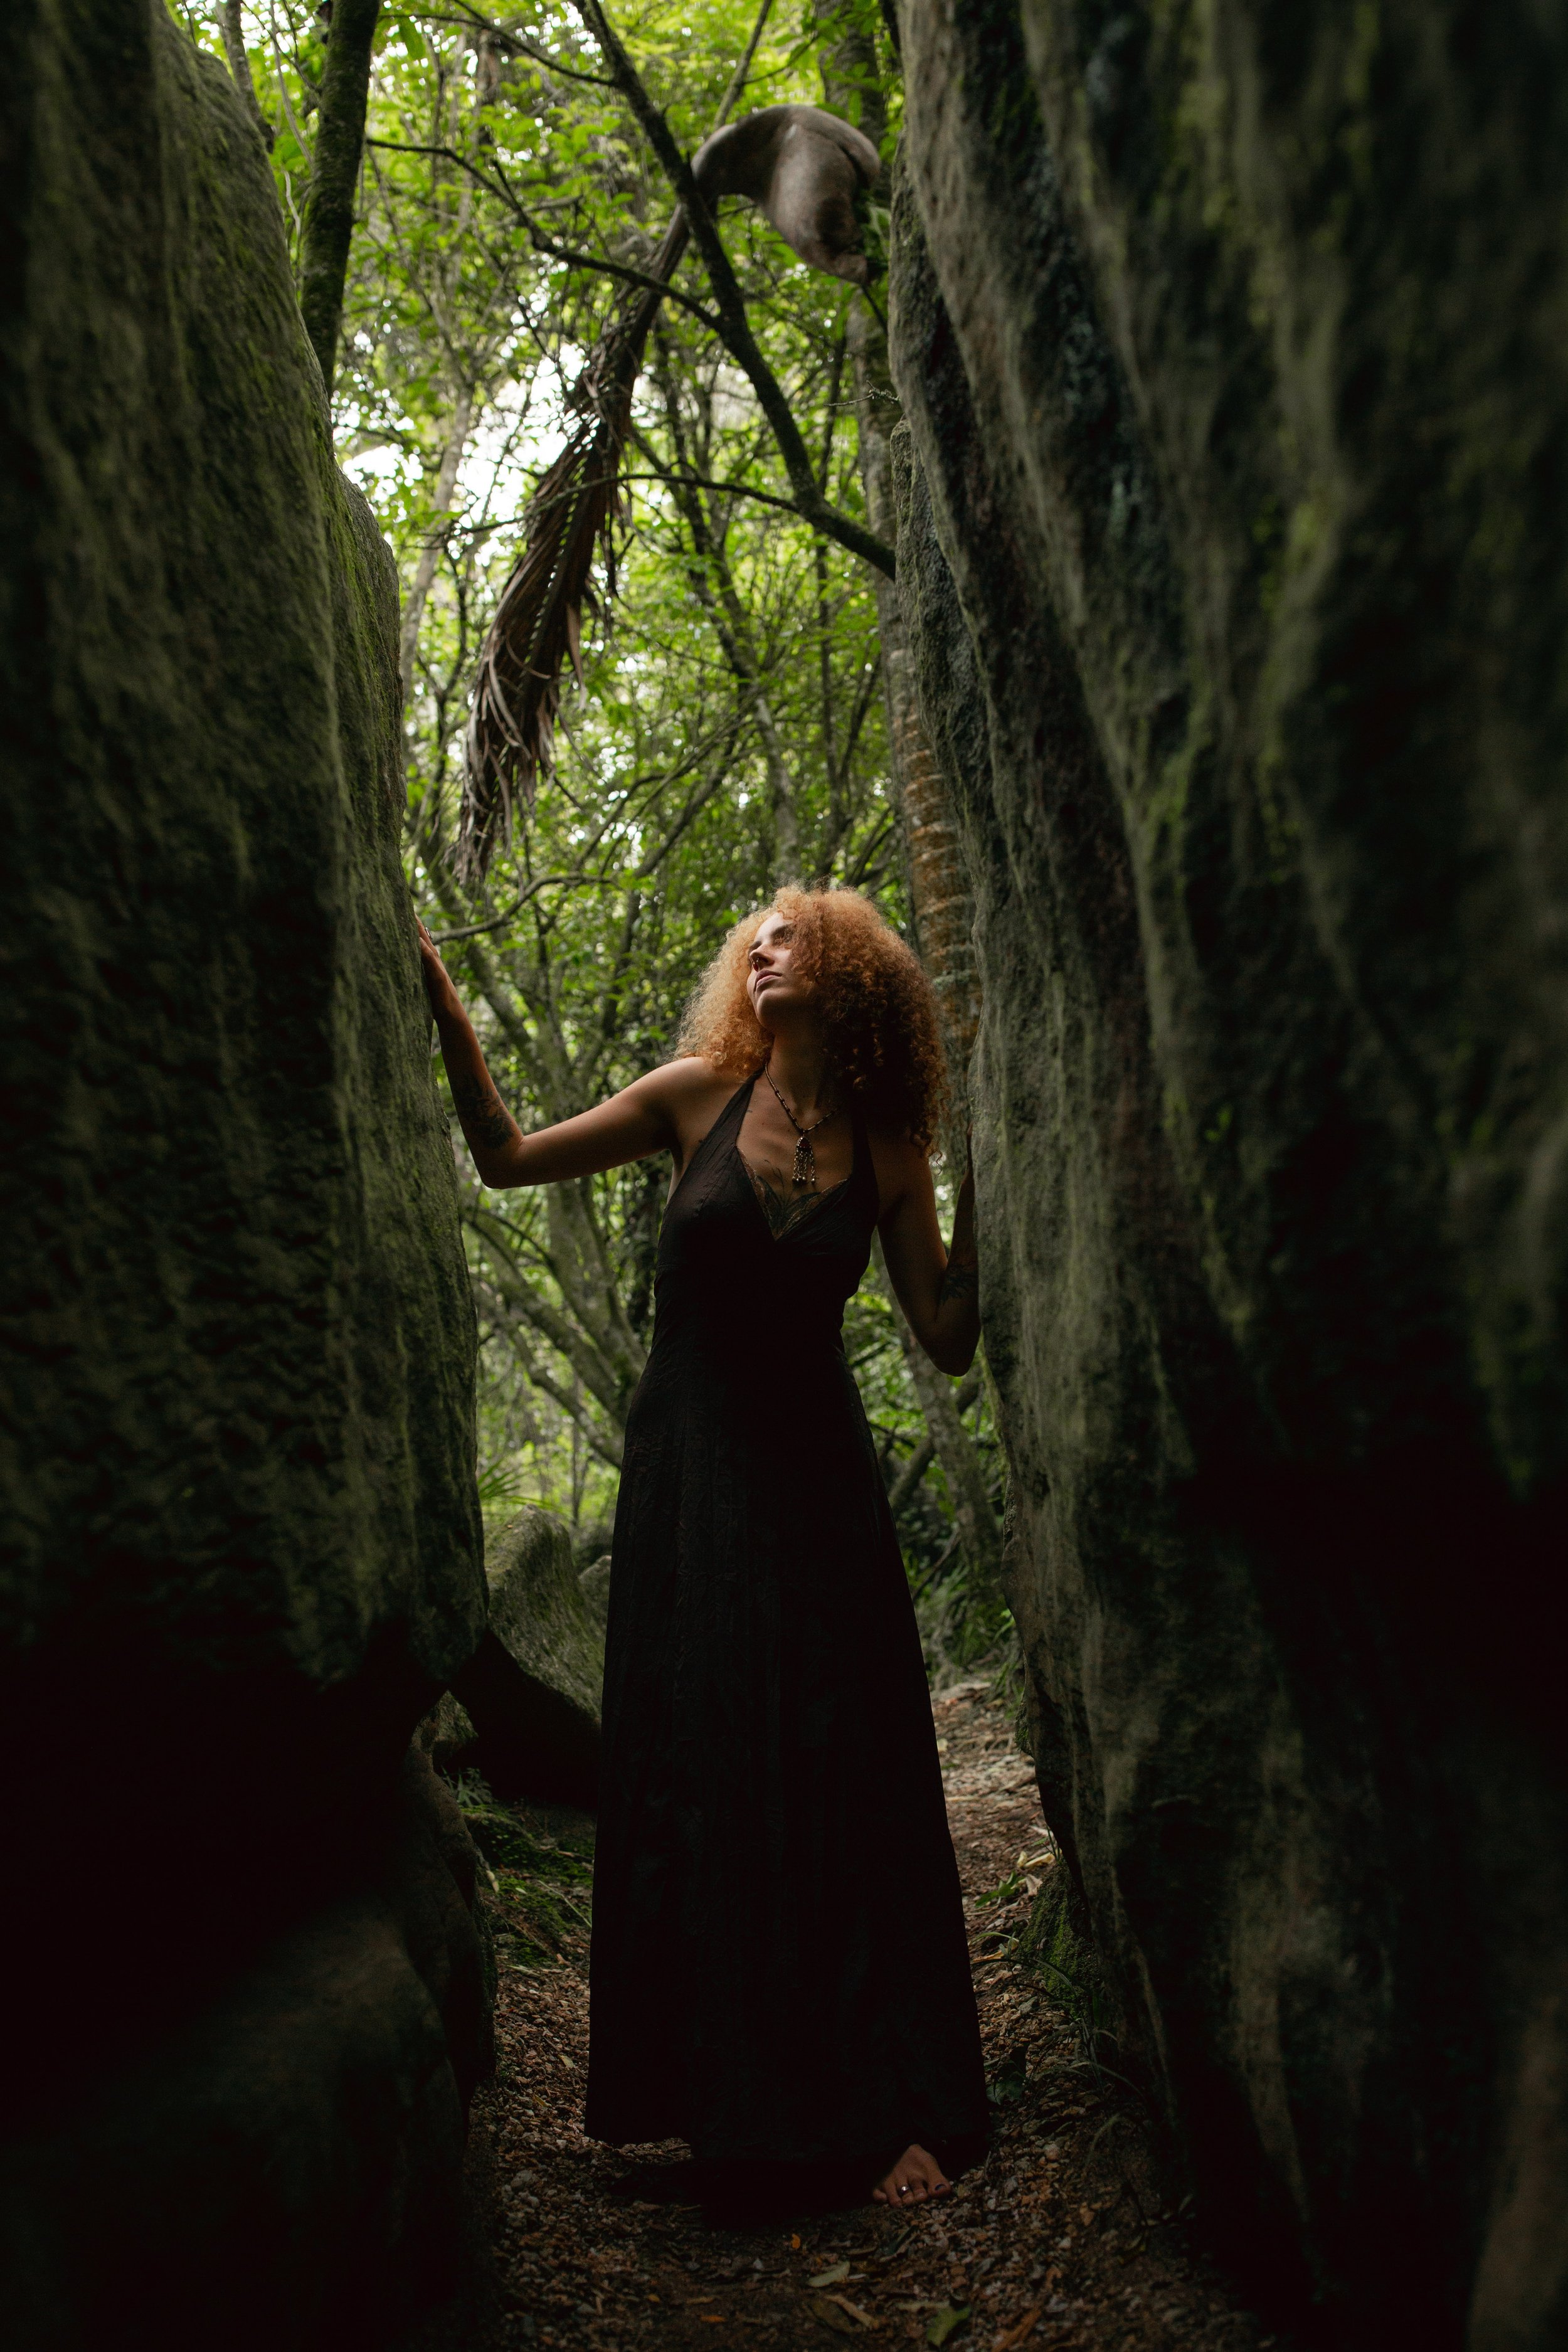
479 1108
962 1280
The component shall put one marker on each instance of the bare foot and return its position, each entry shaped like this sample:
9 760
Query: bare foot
916 2177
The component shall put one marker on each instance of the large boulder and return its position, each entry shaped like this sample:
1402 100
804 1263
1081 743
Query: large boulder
594 1584
540 1611
242 1544
288 2155
533 1689
1232 542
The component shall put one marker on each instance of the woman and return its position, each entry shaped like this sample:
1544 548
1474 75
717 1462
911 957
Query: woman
779 1974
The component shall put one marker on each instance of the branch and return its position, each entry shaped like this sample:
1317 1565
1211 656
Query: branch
580 875
862 864
607 1444
738 78
545 882
734 328
696 803
909 1477
730 490
508 39
329 216
924 1454
544 243
513 1026
586 1359
721 599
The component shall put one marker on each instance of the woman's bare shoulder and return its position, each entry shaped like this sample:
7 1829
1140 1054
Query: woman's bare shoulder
690 1092
690 1079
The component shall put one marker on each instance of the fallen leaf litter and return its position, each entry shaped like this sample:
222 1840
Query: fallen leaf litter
1058 2238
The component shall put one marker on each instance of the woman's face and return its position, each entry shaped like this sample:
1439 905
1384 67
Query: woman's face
776 990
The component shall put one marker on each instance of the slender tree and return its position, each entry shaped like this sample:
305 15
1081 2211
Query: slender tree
853 86
328 220
231 24
942 911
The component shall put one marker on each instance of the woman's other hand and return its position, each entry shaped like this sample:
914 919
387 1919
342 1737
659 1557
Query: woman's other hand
939 1289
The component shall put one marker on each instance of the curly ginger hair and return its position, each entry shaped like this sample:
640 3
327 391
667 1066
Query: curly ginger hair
874 1003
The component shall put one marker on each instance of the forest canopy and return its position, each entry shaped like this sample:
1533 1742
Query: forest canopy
731 730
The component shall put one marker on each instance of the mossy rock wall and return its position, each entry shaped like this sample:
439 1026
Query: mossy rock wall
242 1547
1232 542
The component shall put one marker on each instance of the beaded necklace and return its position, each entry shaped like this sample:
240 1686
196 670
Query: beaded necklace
804 1171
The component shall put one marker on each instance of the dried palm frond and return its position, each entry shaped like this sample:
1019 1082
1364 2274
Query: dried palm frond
537 623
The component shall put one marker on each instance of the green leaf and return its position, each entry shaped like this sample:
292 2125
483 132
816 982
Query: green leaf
411 36
1009 2082
946 2322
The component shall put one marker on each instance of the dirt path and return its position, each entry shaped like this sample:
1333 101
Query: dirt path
1057 2239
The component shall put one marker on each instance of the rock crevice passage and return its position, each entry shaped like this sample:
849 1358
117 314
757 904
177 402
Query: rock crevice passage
1067 2235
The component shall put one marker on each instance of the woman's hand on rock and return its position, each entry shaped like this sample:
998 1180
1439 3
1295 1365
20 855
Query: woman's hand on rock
439 985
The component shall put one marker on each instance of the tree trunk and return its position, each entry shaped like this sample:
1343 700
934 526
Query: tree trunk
334 175
939 891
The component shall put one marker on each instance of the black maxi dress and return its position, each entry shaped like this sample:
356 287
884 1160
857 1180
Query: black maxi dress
779 1966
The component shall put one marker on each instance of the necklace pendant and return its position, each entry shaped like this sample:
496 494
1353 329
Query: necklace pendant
804 1163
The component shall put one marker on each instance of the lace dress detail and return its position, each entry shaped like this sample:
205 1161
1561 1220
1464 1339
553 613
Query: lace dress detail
784 1214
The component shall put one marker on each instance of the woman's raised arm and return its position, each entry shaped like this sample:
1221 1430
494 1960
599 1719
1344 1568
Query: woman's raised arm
939 1289
630 1126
